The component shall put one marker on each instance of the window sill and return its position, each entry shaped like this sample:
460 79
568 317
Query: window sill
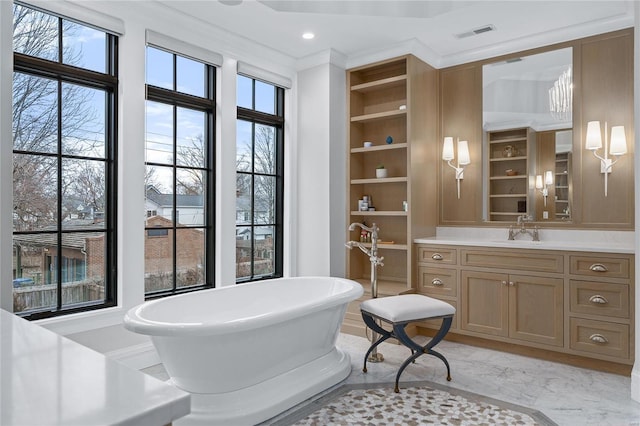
83 321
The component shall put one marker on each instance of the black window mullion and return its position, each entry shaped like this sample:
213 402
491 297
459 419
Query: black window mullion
253 94
111 182
175 72
279 237
210 184
59 197
56 70
60 45
174 223
252 210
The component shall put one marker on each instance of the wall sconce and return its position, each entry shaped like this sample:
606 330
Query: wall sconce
542 186
463 157
618 146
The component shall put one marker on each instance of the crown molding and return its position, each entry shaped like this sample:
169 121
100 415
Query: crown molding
328 56
538 40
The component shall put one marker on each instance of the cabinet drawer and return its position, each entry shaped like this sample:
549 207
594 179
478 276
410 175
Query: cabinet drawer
596 298
516 259
600 337
597 266
439 255
437 281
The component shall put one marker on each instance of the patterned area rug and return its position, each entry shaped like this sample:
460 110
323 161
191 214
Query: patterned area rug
418 403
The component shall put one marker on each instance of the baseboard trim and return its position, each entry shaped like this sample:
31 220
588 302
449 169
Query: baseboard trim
635 384
137 356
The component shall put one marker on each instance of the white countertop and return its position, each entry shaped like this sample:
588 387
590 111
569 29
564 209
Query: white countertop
47 379
550 239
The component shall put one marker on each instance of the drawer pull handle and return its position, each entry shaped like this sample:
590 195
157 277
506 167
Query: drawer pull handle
511 283
598 267
437 282
598 338
437 256
504 283
596 298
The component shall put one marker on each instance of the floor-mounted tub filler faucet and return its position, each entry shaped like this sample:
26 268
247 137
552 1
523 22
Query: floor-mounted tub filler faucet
521 223
375 261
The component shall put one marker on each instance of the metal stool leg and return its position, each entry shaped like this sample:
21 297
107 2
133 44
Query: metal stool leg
384 335
401 334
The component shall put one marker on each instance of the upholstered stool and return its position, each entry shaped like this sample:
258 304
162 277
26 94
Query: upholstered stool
400 311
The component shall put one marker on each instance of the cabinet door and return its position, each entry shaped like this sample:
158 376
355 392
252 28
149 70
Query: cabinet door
484 303
536 309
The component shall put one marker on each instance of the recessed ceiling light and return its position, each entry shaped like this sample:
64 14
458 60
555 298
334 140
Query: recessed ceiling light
308 35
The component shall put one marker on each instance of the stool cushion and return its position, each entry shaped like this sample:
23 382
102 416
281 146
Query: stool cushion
407 307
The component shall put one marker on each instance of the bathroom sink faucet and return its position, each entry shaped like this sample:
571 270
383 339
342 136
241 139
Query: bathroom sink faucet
521 222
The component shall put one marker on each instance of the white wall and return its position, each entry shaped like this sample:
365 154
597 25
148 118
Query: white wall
312 193
321 162
338 169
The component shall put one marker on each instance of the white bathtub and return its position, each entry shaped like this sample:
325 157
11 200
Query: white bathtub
250 351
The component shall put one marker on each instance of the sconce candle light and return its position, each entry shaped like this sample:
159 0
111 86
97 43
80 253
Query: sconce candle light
542 186
463 157
617 147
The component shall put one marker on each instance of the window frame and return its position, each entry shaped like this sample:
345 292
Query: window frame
276 121
108 82
207 105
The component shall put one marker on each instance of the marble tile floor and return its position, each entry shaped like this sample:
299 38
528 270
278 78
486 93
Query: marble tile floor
569 396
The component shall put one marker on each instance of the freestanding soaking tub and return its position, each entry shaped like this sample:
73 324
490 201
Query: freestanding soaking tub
250 351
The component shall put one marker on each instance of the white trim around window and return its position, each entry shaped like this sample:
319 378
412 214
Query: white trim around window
81 14
182 48
264 75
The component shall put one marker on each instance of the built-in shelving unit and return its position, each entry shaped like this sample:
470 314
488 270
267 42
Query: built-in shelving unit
388 99
562 181
508 165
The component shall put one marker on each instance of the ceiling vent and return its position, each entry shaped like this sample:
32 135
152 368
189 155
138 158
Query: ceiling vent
476 31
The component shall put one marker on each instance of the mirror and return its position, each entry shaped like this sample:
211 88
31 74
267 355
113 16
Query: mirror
527 106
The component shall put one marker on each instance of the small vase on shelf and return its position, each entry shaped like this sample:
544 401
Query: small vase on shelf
381 172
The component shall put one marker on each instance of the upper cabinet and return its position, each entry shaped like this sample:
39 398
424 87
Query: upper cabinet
546 172
391 125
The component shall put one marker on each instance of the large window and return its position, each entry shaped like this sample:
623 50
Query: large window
179 236
64 151
259 179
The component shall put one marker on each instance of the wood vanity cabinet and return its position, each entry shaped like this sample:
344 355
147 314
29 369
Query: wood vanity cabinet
516 303
578 303
438 278
522 307
601 305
